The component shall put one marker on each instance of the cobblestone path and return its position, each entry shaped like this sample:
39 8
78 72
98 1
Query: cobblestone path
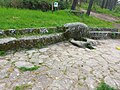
62 67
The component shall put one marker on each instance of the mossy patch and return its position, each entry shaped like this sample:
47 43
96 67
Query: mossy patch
22 87
104 86
29 69
2 53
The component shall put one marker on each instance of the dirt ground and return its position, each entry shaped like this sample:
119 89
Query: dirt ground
106 17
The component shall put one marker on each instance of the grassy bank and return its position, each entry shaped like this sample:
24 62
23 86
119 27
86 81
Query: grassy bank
98 9
19 18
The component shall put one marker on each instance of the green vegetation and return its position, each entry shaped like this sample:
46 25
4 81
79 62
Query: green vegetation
19 88
98 9
117 21
43 5
2 53
20 18
28 69
104 86
22 87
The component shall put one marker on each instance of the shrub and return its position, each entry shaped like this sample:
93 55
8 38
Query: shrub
117 9
36 4
64 5
43 5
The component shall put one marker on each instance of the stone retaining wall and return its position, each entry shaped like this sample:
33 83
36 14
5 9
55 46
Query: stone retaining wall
40 41
11 32
104 33
31 42
104 29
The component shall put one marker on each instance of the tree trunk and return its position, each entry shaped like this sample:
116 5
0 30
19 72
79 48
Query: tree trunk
74 4
89 7
114 4
103 3
111 5
81 2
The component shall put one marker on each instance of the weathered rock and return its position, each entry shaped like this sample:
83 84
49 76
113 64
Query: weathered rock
12 31
4 72
43 50
43 30
20 64
3 62
76 30
93 42
6 40
83 44
78 43
2 86
1 32
76 24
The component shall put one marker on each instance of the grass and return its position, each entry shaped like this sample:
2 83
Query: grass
104 86
11 18
29 69
2 53
98 9
19 88
22 87
117 21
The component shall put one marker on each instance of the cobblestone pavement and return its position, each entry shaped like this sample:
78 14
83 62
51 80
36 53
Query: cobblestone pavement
62 67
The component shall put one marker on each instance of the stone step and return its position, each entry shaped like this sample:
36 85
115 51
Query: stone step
104 35
14 32
28 42
104 29
18 32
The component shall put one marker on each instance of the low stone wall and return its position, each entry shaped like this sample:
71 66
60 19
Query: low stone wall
11 32
30 42
40 41
104 35
104 29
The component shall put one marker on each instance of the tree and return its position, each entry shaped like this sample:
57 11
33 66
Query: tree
75 2
80 2
110 4
89 7
103 3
